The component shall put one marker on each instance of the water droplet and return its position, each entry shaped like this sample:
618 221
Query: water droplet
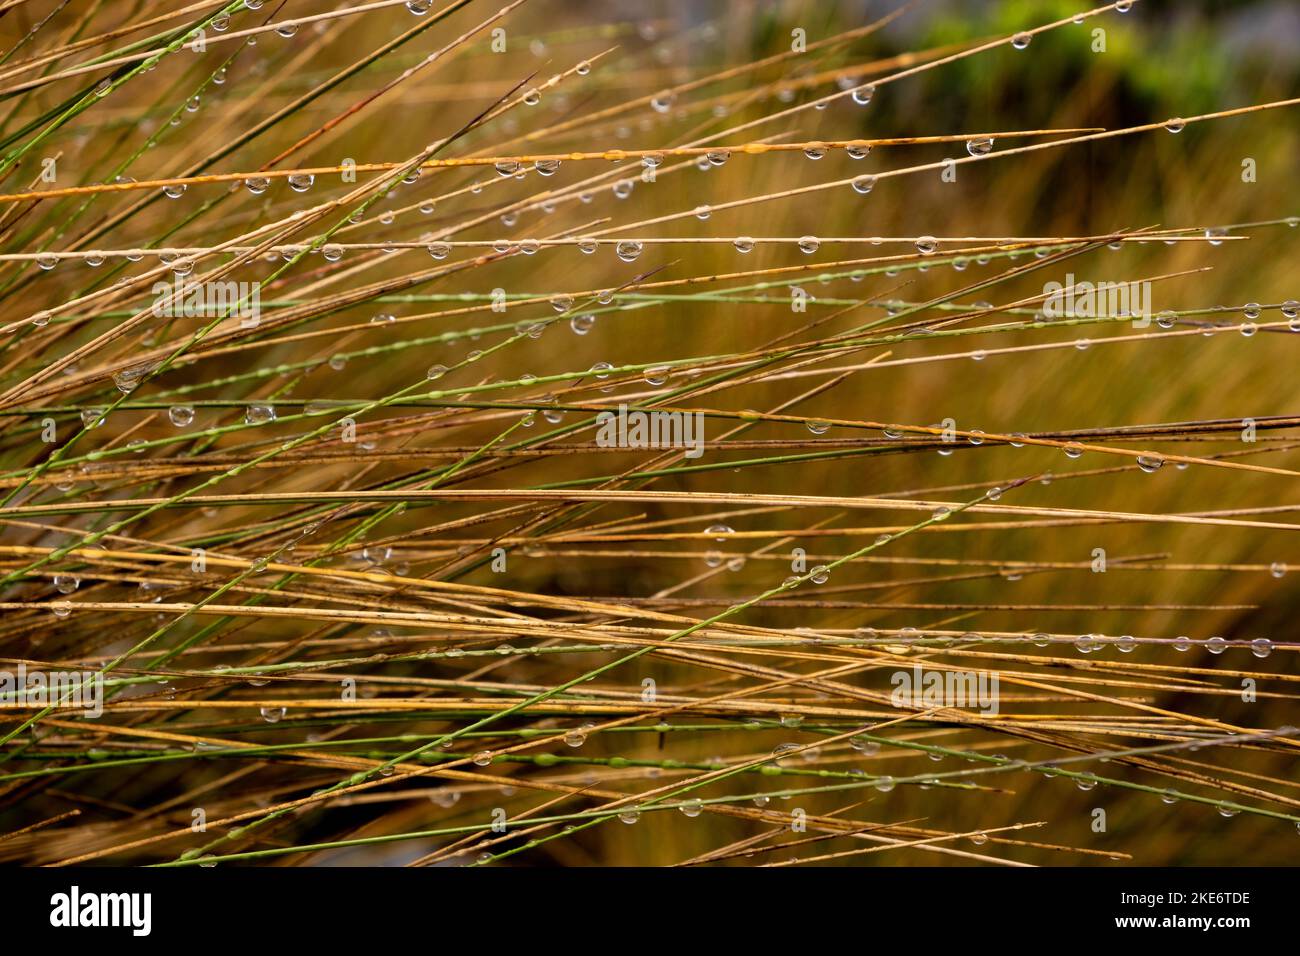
1251 310
127 379
809 244
1261 647
628 250
435 372
663 101
581 324
1182 643
47 261
863 94
546 167
630 816
301 182
259 414
272 715
1073 449
716 157
482 758
743 244
1277 569
1021 40
532 98
692 808
885 784
180 415
719 531
66 583
174 191
863 744
814 151
980 147
1150 463
583 68
656 374
703 212
1175 125
926 245
1216 645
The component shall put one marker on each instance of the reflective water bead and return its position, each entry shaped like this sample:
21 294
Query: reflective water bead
259 414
